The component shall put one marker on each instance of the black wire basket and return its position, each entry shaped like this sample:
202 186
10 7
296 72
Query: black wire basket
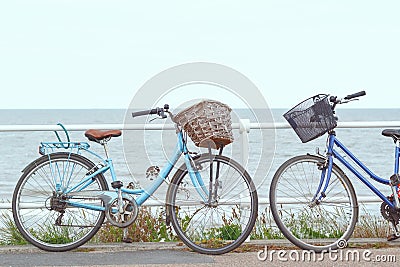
311 118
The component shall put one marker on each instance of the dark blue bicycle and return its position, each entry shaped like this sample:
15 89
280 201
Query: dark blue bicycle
312 200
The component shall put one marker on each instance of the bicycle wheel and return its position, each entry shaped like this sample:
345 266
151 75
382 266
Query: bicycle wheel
224 224
39 207
317 227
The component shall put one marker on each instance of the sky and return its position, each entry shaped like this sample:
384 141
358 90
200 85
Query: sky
97 54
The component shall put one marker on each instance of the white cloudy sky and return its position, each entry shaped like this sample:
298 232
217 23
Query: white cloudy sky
96 54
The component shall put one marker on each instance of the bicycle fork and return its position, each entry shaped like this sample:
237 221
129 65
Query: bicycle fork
326 169
325 165
208 192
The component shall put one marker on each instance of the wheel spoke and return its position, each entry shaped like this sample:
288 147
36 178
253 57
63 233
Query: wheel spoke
293 188
219 227
39 210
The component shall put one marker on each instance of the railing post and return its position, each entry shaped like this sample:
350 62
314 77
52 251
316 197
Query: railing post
244 131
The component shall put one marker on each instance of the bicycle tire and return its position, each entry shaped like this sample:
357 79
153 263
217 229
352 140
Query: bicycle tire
219 228
35 212
324 226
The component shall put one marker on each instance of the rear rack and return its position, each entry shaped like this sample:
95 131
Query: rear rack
51 147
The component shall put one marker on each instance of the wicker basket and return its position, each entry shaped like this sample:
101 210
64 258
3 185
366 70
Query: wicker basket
207 121
311 118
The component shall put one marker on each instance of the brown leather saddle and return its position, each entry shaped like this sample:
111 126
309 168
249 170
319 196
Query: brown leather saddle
100 135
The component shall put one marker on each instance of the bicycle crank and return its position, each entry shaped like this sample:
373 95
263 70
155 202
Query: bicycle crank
122 217
390 214
118 215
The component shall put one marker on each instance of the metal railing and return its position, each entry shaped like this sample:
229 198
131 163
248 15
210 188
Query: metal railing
244 126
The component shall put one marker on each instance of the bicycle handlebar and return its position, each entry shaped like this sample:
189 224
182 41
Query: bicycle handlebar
158 111
144 112
335 100
361 93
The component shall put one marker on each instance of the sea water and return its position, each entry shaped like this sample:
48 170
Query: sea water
137 150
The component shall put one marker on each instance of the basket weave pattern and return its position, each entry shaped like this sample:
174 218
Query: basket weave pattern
205 121
311 118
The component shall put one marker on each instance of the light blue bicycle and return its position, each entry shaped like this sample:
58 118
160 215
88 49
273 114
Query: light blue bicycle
63 198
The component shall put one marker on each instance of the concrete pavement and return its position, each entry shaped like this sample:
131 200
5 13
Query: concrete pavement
361 252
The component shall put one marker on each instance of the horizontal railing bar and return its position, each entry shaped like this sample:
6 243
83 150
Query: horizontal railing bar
83 127
244 126
344 124
261 201
278 125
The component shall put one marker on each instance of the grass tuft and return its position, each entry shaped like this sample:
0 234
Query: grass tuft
148 227
9 234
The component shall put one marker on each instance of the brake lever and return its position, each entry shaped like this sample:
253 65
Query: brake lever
345 101
154 119
161 115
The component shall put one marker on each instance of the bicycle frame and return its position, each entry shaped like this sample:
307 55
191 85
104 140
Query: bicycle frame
333 143
143 194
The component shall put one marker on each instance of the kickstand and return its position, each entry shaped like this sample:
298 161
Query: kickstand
396 233
126 238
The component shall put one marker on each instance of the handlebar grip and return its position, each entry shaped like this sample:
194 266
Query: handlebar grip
144 112
362 93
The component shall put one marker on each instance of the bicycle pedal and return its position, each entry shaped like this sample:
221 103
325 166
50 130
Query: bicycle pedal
117 184
127 240
393 237
152 172
131 186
